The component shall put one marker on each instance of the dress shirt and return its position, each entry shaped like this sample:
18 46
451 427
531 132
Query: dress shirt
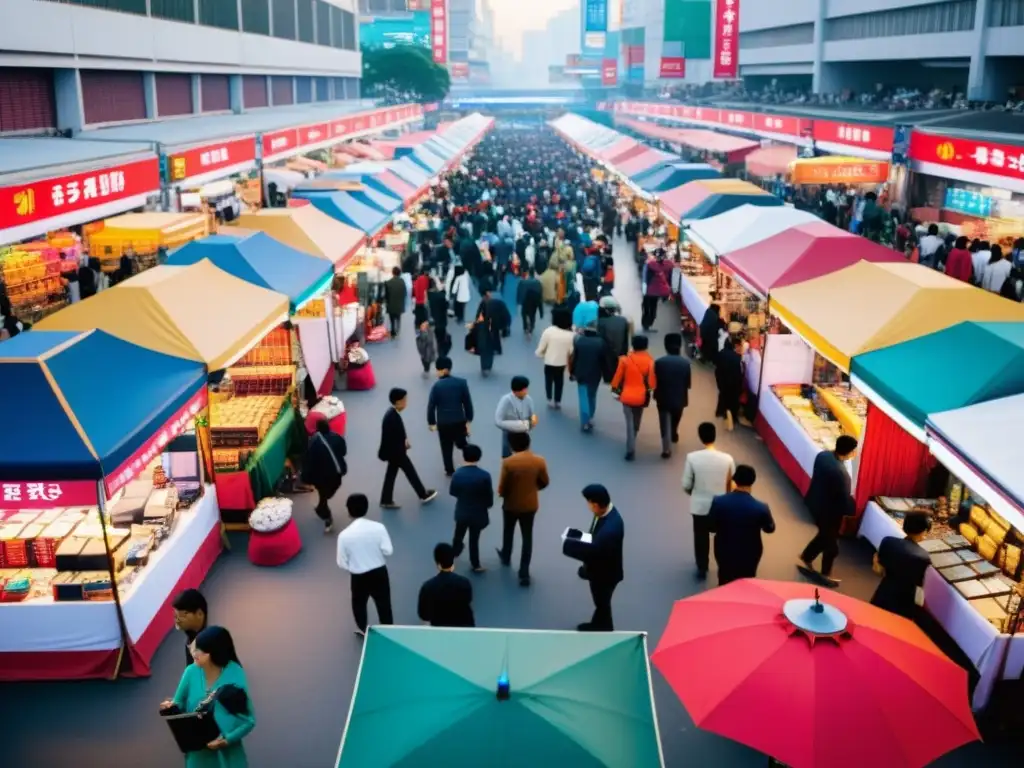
706 475
363 545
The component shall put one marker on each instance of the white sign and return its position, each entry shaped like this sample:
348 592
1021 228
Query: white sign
91 187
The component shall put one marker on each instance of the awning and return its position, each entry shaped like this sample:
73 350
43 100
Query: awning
426 160
261 260
403 172
801 253
307 229
627 154
617 147
384 201
197 312
722 202
678 201
743 226
917 377
708 141
360 149
769 162
649 160
667 177
343 207
870 306
838 170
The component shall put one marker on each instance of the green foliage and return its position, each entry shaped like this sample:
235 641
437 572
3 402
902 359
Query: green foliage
406 70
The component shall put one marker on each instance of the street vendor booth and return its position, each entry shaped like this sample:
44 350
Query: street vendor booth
672 175
144 236
771 162
106 514
309 230
677 203
394 177
722 202
428 160
743 226
647 161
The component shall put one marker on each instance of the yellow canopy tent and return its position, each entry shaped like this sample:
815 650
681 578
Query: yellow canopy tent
197 312
870 305
306 229
145 233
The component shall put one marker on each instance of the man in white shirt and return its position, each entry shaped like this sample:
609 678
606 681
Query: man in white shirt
929 247
362 547
707 474
979 260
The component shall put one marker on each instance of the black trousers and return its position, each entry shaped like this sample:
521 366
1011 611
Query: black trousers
529 319
649 311
372 584
451 435
420 314
459 307
396 323
554 382
601 592
324 494
525 522
444 340
668 424
701 542
387 491
461 529
728 402
826 544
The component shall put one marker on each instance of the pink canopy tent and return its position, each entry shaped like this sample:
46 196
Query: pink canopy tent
800 254
399 186
364 151
640 163
617 148
634 151
769 162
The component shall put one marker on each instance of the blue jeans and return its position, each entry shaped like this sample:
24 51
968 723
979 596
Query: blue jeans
588 402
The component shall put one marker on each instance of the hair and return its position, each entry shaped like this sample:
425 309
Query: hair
443 364
217 642
846 444
916 523
357 505
707 432
472 453
323 427
519 441
961 243
997 255
596 493
444 555
713 307
640 343
519 383
745 475
531 272
933 229
975 245
395 272
673 343
396 394
729 343
190 601
561 318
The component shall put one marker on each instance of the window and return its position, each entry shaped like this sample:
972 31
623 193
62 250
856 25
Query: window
125 6
284 18
174 10
173 94
323 88
1006 13
217 13
216 93
281 88
256 16
954 16
26 99
797 34
348 31
306 31
303 90
254 91
336 35
109 96
323 23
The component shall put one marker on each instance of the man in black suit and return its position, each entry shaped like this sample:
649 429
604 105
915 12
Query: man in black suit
738 519
394 450
829 501
672 372
449 411
587 366
473 489
446 600
601 556
530 298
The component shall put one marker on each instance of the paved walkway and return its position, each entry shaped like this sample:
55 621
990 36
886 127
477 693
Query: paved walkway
293 626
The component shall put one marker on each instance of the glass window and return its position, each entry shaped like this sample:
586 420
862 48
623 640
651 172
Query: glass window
256 17
217 13
175 10
348 31
796 34
306 32
1006 13
323 23
126 6
950 16
284 18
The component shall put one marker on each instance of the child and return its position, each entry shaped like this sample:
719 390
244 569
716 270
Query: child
427 347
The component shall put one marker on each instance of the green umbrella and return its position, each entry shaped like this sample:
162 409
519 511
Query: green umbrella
429 696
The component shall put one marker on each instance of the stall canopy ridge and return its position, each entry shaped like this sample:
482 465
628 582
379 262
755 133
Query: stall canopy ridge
747 224
306 229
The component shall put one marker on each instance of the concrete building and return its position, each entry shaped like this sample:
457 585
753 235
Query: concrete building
66 65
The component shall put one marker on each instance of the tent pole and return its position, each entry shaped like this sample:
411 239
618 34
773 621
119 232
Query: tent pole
101 498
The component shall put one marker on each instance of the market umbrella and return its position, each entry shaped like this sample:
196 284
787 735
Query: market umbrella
813 684
432 696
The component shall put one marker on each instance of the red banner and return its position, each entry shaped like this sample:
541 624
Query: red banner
787 126
212 157
459 70
634 56
727 49
876 137
968 154
39 200
439 30
280 141
314 134
609 72
672 67
34 495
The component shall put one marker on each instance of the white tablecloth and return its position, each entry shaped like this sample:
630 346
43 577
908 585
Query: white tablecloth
978 639
752 360
50 626
789 431
695 304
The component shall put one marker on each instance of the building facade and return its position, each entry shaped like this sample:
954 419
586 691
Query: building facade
68 65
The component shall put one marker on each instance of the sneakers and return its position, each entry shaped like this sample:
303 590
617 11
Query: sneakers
389 505
729 425
431 495
328 527
666 454
359 633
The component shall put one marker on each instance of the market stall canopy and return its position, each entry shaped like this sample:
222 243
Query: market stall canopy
307 229
402 172
743 226
801 253
623 144
343 207
769 162
678 201
870 306
443 149
672 175
428 696
838 170
919 377
259 259
197 312
386 202
722 202
77 405
426 159
359 149
627 154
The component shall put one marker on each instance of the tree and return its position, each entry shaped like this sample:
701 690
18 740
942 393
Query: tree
404 70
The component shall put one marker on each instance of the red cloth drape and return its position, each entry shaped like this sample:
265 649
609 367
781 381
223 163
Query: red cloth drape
892 461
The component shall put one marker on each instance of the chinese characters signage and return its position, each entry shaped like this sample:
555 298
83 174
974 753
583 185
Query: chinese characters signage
34 201
439 30
459 70
672 67
280 141
966 201
874 137
595 27
291 140
727 49
989 157
609 72
821 171
212 157
752 122
34 495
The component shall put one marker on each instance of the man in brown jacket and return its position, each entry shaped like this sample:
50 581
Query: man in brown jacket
523 475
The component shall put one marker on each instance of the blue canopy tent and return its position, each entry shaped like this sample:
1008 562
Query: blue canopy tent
723 201
343 207
441 148
63 408
261 260
367 179
386 202
674 175
426 159
407 170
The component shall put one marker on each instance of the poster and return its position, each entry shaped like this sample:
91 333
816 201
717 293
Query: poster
727 49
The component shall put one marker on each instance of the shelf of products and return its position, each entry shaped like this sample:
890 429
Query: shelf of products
143 235
824 412
34 275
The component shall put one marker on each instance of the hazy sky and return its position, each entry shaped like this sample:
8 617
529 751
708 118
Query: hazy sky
513 17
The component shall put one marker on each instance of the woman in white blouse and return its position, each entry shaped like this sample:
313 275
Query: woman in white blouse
555 348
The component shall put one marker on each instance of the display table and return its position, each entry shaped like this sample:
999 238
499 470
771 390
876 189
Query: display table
790 446
979 640
270 550
46 640
695 304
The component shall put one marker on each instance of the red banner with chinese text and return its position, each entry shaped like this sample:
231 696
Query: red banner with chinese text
212 157
672 67
990 157
727 48
609 72
439 30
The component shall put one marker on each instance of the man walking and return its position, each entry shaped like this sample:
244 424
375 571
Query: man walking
523 475
394 450
324 467
672 394
395 294
473 490
446 600
601 554
587 365
530 298
706 474
515 413
362 549
449 411
738 519
829 501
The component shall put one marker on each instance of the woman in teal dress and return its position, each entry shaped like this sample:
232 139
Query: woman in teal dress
216 665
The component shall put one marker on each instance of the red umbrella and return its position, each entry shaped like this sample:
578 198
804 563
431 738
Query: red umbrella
813 684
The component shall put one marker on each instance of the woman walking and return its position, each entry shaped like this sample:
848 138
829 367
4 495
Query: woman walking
458 291
633 384
555 348
480 340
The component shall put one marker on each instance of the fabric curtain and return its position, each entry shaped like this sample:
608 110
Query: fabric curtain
892 462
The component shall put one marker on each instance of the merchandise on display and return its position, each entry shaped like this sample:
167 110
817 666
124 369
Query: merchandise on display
143 235
34 275
824 412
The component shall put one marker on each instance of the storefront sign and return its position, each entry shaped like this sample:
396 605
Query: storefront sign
35 495
439 30
672 67
969 155
820 171
780 124
153 447
727 51
211 157
280 141
873 137
33 201
609 72
314 134
969 202
459 70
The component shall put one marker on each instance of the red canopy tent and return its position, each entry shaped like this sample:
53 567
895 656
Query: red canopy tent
635 151
401 187
617 148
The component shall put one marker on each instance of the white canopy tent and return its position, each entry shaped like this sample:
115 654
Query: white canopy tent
744 226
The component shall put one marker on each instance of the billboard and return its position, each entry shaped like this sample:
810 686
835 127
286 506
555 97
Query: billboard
439 30
387 32
727 50
595 27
